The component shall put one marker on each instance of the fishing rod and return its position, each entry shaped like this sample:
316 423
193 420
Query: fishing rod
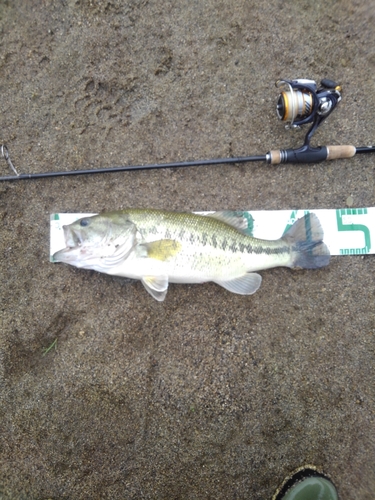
300 102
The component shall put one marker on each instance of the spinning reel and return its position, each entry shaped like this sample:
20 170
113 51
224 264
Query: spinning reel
301 102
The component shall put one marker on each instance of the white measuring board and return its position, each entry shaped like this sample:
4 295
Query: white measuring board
347 231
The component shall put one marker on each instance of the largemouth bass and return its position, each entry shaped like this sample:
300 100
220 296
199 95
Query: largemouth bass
160 247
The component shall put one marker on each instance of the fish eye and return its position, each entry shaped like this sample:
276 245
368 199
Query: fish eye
84 222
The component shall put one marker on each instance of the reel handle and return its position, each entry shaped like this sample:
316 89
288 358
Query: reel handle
307 154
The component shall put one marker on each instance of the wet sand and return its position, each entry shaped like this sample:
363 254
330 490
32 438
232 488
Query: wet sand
207 395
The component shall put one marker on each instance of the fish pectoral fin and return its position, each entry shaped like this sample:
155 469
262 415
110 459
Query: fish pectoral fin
244 285
157 286
162 249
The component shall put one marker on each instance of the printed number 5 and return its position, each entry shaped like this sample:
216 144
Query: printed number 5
344 225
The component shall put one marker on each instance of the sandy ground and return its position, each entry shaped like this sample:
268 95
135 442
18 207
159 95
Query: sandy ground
208 395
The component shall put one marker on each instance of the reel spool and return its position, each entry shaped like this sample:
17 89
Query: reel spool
301 102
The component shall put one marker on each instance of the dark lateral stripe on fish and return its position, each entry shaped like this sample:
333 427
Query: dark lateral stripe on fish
233 246
260 249
236 247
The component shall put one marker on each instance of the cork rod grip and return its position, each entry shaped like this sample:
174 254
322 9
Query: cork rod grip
336 152
275 155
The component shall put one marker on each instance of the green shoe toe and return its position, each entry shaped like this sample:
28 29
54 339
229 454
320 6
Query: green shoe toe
312 488
306 483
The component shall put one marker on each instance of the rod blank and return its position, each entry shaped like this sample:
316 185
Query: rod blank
314 155
126 168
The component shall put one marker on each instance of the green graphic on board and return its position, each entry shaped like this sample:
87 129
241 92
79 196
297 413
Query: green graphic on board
249 220
292 219
342 226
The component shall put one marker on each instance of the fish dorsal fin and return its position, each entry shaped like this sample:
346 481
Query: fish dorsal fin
161 249
157 286
244 285
234 219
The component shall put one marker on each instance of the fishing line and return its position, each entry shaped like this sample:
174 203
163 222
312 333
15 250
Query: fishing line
300 102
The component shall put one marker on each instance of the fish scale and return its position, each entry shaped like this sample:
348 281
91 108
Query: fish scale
196 234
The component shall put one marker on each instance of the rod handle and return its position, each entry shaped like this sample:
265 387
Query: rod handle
336 152
304 154
307 154
275 156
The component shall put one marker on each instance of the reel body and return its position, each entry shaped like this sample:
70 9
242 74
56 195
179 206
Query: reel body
302 102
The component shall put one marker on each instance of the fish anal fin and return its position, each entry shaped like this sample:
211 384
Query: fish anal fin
162 249
244 285
157 286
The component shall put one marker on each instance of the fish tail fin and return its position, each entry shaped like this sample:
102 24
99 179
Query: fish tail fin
305 239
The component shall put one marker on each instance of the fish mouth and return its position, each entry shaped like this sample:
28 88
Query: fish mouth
73 242
72 238
65 254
